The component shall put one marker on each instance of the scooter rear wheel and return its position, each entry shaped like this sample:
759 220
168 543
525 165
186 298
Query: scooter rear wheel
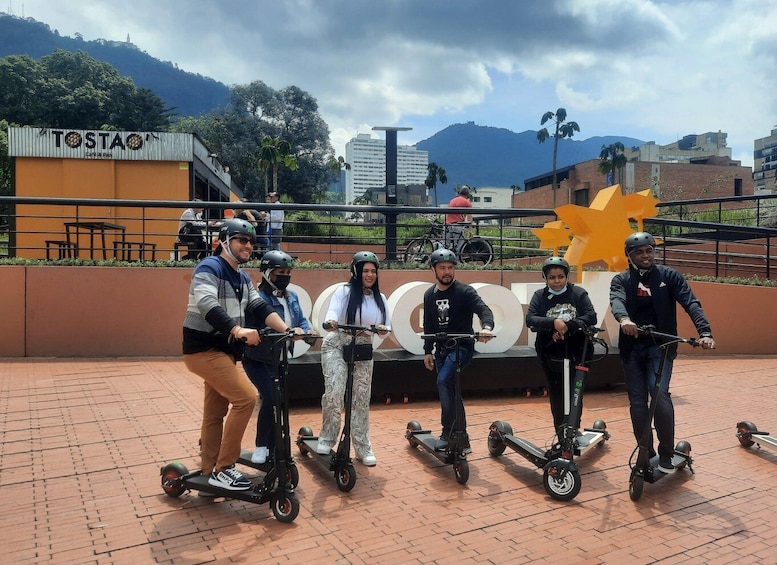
285 506
636 484
496 446
412 426
744 433
345 477
563 489
171 475
461 471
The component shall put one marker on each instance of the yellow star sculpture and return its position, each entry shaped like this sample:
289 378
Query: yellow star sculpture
600 230
553 235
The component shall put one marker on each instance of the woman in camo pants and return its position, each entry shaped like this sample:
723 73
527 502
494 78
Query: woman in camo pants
359 302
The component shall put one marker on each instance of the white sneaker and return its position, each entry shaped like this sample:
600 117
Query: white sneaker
323 448
369 460
259 455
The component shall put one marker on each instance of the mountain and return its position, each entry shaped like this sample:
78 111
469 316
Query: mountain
187 94
488 156
471 154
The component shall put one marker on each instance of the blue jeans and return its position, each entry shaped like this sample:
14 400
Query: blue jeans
261 374
640 370
446 387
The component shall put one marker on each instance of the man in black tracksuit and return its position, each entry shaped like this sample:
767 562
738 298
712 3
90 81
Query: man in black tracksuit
449 306
647 294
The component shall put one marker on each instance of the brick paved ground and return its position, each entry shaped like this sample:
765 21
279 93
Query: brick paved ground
83 442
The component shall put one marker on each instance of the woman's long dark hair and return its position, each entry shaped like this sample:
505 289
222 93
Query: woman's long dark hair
356 295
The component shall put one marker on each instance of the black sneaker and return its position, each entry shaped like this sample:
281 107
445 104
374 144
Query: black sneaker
665 465
230 479
441 444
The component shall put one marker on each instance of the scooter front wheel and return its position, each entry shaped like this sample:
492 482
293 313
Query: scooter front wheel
292 475
285 506
461 471
561 488
345 477
636 484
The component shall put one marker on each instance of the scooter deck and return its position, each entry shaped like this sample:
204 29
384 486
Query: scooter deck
425 439
245 459
200 483
763 437
531 451
591 438
310 445
655 474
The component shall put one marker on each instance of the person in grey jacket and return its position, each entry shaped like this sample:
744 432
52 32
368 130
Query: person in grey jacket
646 295
214 330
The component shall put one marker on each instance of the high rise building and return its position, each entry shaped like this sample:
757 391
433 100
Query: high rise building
765 163
690 148
367 157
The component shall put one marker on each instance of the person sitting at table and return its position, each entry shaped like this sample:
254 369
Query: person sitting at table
191 231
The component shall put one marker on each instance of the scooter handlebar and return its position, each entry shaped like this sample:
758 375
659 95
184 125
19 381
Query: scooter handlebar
650 330
352 329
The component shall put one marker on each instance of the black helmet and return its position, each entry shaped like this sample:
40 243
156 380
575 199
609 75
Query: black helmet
442 255
551 262
639 239
363 257
233 227
274 259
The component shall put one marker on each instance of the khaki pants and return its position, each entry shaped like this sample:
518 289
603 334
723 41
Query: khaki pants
225 384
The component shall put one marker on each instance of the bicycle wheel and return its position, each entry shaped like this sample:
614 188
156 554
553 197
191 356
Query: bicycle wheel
476 250
418 250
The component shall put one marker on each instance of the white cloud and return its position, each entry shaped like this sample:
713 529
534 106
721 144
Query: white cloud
653 70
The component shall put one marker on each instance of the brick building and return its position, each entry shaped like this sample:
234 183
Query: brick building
714 177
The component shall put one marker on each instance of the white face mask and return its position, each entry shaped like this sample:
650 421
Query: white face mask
557 292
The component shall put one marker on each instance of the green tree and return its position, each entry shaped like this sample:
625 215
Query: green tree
73 90
563 129
612 159
435 173
256 112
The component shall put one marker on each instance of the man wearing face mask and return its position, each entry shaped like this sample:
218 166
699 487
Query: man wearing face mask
555 312
258 361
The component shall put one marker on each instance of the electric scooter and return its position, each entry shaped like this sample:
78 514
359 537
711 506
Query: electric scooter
454 451
645 468
339 460
281 473
749 435
561 476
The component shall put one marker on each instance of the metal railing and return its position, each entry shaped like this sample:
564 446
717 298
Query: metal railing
147 230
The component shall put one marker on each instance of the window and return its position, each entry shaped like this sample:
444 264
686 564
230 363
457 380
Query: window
487 199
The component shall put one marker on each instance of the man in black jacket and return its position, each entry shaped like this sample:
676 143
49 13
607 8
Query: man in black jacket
449 307
647 294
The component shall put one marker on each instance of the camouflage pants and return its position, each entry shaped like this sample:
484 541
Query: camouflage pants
335 372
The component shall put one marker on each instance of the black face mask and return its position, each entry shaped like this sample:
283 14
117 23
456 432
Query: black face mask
282 281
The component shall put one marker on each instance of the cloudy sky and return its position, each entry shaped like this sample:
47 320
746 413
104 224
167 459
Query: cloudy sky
650 69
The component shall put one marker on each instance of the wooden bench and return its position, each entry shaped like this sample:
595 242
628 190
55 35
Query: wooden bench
65 249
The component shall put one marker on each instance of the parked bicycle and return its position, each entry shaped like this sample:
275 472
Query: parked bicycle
474 249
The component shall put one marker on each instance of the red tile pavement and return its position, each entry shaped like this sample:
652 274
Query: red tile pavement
83 441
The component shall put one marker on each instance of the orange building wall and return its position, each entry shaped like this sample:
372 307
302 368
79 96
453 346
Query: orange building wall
82 178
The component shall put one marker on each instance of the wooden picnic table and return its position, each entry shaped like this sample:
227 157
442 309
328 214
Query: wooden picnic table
100 228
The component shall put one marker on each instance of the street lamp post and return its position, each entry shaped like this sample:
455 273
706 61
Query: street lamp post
391 187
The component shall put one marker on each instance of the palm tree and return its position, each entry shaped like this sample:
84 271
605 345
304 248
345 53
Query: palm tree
612 159
436 173
563 129
273 153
